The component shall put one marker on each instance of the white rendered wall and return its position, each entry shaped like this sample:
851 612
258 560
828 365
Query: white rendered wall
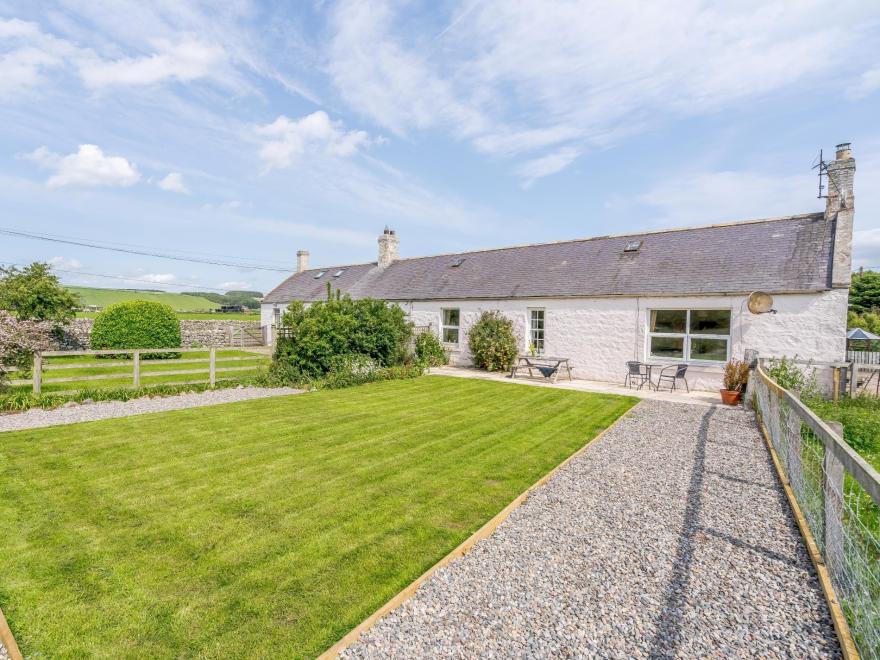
600 334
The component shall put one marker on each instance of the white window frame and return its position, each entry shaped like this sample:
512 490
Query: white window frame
686 335
276 316
531 340
444 327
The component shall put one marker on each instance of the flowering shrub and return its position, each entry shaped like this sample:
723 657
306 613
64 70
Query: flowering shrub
19 340
492 342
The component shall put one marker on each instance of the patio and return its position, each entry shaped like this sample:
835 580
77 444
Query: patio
677 396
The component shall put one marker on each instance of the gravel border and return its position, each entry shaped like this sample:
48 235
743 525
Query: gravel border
669 537
71 413
4 654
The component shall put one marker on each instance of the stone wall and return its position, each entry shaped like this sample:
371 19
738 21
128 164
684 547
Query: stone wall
193 332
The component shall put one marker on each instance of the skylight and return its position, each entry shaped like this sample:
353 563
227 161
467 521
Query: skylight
458 261
632 246
339 272
320 274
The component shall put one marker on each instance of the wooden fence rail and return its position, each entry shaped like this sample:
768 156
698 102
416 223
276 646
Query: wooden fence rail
206 366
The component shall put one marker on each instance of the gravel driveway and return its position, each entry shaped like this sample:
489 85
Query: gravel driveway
669 537
36 417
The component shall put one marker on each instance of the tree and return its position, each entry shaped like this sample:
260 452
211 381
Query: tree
864 292
35 293
19 340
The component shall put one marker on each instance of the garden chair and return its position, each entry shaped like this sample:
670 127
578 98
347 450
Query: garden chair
636 372
677 372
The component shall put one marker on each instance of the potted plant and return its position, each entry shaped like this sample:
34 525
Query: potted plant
736 376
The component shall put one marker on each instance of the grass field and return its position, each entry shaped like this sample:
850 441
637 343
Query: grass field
68 367
265 528
178 301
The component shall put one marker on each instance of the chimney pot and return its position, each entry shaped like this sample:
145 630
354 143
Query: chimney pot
388 248
844 150
302 260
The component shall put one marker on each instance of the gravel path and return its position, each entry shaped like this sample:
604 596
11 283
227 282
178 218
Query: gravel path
89 412
669 537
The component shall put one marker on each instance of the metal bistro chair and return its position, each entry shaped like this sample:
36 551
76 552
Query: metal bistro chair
679 371
636 372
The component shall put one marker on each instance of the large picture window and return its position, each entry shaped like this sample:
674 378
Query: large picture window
450 326
536 331
689 334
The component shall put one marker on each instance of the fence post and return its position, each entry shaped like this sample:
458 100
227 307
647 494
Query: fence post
833 490
137 368
853 378
38 372
212 366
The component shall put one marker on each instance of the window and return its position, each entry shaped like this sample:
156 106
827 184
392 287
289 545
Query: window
689 334
450 326
536 331
276 316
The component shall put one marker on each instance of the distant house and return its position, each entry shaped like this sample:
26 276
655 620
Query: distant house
668 296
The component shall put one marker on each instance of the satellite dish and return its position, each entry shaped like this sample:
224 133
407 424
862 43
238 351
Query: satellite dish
760 303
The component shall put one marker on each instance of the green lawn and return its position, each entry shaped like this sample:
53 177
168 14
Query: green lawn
66 367
179 301
264 528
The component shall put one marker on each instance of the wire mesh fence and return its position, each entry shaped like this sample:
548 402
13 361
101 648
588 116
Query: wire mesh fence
838 494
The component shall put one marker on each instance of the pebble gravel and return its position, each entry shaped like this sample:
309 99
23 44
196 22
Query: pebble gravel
4 654
669 537
72 413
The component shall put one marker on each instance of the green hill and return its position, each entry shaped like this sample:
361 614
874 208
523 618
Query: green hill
179 301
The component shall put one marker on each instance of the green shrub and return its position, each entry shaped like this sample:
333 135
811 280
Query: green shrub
137 324
492 342
328 334
860 417
790 376
429 350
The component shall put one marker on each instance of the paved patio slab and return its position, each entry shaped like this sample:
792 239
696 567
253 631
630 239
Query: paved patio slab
668 537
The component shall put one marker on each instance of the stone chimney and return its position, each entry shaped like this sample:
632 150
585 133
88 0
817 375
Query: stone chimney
388 244
840 208
302 260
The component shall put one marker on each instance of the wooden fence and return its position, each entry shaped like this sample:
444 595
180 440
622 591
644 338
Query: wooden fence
863 357
208 368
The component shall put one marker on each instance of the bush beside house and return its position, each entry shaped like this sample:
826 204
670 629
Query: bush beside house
136 324
341 342
429 350
492 342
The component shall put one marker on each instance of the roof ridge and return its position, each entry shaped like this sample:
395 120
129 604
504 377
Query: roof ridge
625 235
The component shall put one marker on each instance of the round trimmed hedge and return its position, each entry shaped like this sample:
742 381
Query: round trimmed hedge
136 324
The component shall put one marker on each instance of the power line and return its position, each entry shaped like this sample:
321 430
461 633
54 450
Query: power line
146 253
126 279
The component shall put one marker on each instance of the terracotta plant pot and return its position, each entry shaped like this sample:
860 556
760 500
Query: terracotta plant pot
730 397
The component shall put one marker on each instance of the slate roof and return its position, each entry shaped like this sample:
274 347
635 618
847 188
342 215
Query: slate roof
790 254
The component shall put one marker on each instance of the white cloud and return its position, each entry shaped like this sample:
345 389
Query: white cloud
868 83
185 60
285 140
531 78
235 286
159 278
65 263
28 54
532 170
173 183
87 167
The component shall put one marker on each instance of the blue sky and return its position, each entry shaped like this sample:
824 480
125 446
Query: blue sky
258 129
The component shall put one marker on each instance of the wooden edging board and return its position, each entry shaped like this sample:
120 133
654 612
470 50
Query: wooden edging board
484 532
8 640
841 627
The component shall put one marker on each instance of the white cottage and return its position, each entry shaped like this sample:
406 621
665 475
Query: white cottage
676 295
